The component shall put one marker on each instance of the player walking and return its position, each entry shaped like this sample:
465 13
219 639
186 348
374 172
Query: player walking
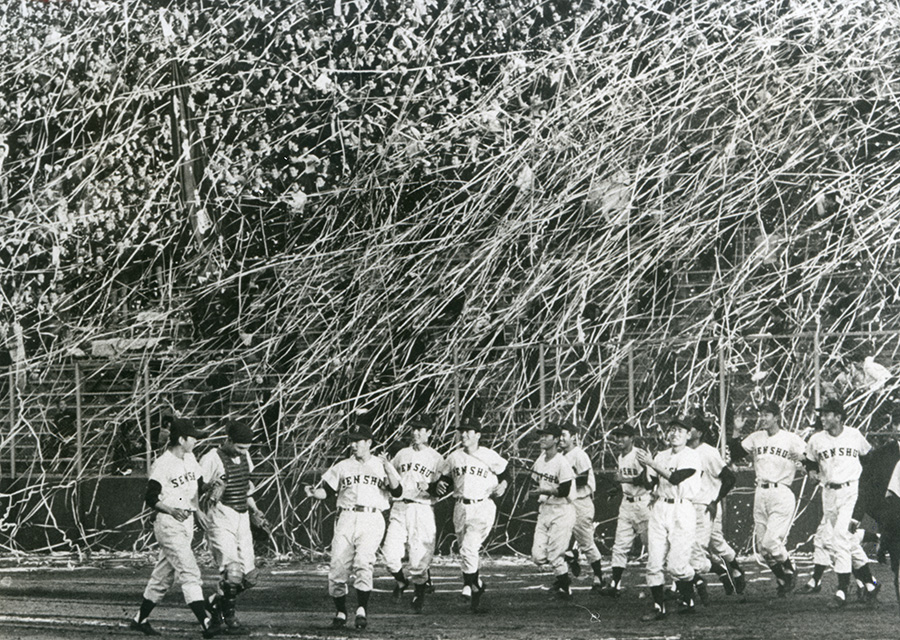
172 492
476 474
411 527
554 477
585 486
776 454
228 506
715 481
634 510
673 520
362 483
834 453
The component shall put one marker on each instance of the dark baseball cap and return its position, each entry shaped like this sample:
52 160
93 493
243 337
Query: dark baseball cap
421 421
679 423
770 406
832 405
240 432
184 428
551 428
360 433
470 423
623 430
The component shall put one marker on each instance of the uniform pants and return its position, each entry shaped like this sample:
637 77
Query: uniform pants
822 547
584 528
231 542
411 526
176 562
773 509
472 523
847 553
670 534
632 522
702 535
357 536
552 533
718 545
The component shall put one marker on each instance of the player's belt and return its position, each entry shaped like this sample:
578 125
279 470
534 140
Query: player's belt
634 498
838 485
471 501
408 501
769 485
672 500
361 509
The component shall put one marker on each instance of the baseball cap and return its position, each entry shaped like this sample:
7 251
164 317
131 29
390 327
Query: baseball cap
470 423
360 433
184 428
551 428
832 405
623 430
421 421
240 432
770 406
679 423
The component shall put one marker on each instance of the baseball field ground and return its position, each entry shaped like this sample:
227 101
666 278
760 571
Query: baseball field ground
62 600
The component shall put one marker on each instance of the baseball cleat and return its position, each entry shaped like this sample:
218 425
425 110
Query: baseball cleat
658 613
872 596
702 591
466 593
612 591
476 596
144 627
339 621
811 587
361 621
418 603
572 562
788 581
839 599
234 628
399 588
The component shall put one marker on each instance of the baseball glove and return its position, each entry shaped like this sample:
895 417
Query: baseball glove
257 519
212 494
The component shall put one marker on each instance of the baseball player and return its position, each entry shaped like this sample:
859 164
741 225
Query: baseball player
585 486
228 507
362 483
634 510
834 453
476 474
776 454
411 527
553 477
715 481
172 492
673 520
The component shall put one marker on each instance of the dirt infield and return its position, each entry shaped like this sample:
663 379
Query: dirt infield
53 601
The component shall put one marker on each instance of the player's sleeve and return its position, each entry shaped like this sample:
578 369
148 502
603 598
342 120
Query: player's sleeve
332 478
740 448
154 490
864 446
729 479
211 467
714 462
582 468
680 475
810 460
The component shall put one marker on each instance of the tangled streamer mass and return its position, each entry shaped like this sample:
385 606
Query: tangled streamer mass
294 211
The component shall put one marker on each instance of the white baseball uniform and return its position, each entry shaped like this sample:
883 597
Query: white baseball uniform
634 511
775 460
584 504
673 520
709 485
840 468
411 526
362 497
176 562
474 479
228 521
556 514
